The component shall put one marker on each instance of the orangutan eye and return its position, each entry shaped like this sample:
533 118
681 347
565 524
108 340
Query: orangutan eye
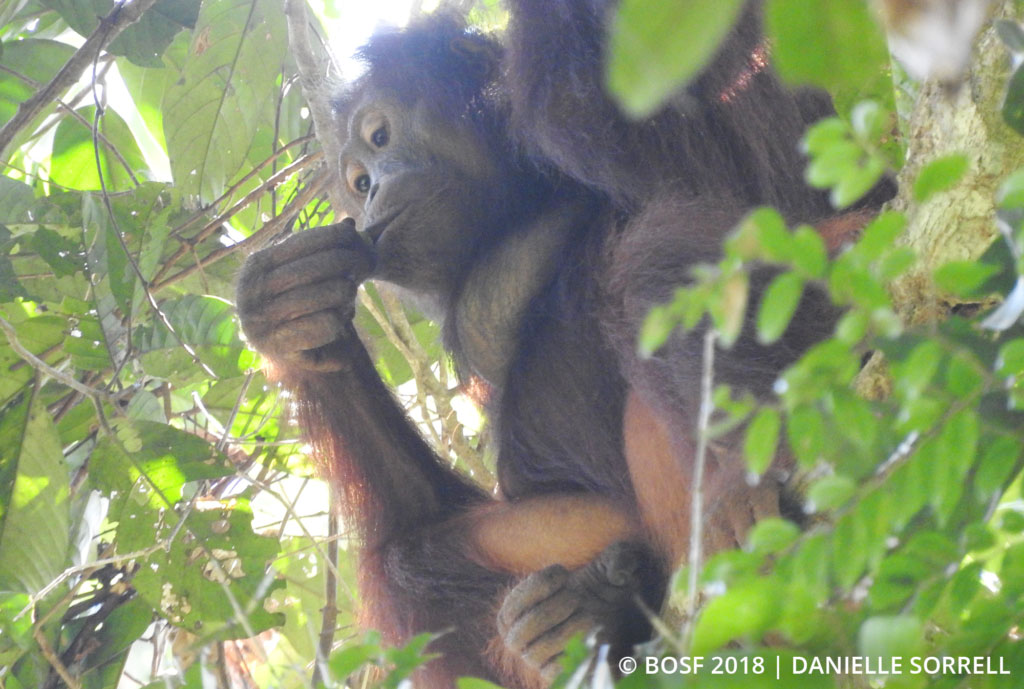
380 137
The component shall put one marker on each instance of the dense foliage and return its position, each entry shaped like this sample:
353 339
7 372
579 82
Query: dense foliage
159 524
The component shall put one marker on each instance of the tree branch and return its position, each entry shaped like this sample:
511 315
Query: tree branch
120 18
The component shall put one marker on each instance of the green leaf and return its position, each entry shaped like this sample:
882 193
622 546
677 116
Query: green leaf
144 41
833 164
824 134
743 612
891 637
1011 191
1010 361
37 59
830 492
11 606
857 182
203 323
34 512
772 233
654 333
729 309
869 120
834 44
880 234
655 48
806 433
347 660
63 255
778 306
998 455
809 255
158 458
915 373
962 278
1011 34
762 439
1013 105
73 161
939 175
475 683
17 203
963 375
772 535
225 94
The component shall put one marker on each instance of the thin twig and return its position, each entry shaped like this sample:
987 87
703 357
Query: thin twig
123 15
697 491
254 241
78 117
201 213
330 610
217 222
54 661
44 368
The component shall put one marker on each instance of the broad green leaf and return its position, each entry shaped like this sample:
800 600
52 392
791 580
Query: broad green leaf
1011 191
778 306
73 161
655 331
834 44
154 461
824 134
857 182
939 175
772 535
891 637
830 492
809 254
761 440
729 310
33 498
963 374
743 612
869 120
963 277
347 660
17 203
65 256
998 455
772 233
656 48
880 234
897 580
225 93
1013 105
204 324
35 58
144 41
915 373
475 683
217 553
849 550
1010 361
11 606
805 430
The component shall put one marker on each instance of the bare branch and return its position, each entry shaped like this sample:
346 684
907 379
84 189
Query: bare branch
697 494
